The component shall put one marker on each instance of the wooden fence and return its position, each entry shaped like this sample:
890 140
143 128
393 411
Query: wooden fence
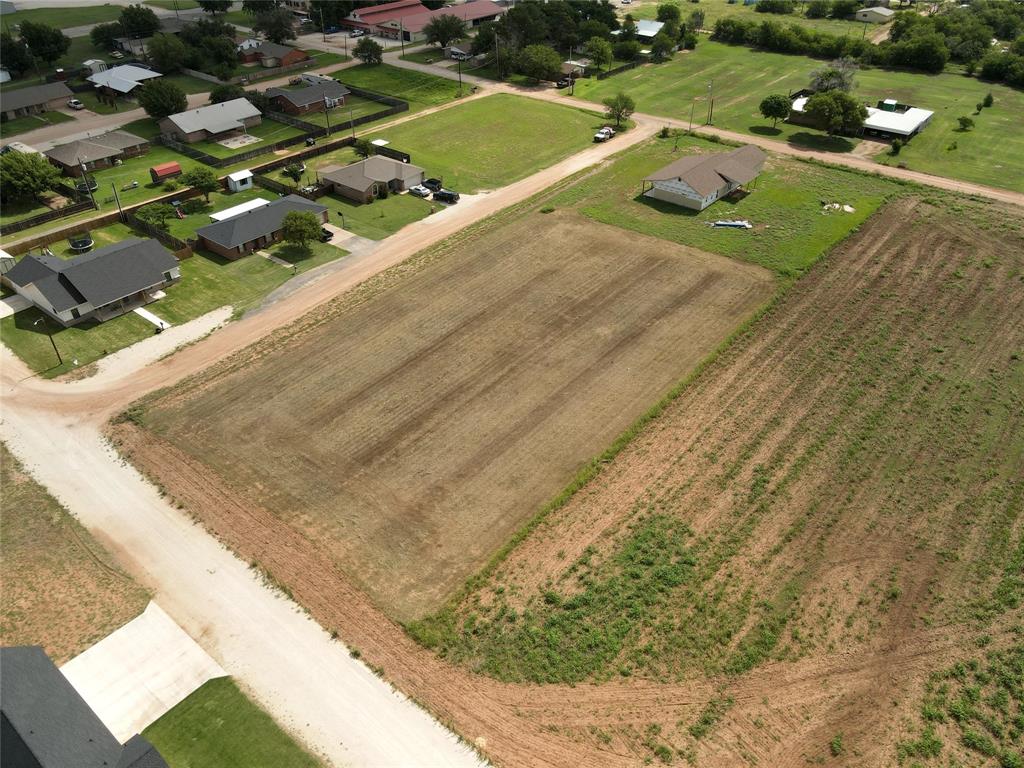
617 70
42 218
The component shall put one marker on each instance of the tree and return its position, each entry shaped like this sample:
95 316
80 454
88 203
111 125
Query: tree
444 30
299 227
104 35
25 175
368 51
256 7
539 62
139 21
840 75
662 47
836 112
775 108
155 214
689 40
331 11
160 98
45 43
215 6
167 52
696 21
293 171
277 25
988 101
669 12
14 54
619 107
965 123
599 51
226 92
363 147
593 28
818 9
201 178
627 50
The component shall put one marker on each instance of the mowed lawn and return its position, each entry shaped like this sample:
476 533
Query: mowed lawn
220 726
61 588
31 122
790 232
420 89
991 153
490 142
62 17
720 9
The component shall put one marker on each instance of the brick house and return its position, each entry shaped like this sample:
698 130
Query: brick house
257 228
316 97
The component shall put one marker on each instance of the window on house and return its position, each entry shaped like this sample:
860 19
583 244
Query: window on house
75 314
168 276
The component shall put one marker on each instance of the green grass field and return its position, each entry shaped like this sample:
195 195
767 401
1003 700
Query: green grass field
220 726
720 9
62 17
742 77
170 5
269 131
491 142
354 107
190 84
418 88
31 122
790 231
380 218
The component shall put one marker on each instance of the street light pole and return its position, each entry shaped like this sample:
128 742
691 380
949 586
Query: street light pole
460 76
117 200
46 327
327 114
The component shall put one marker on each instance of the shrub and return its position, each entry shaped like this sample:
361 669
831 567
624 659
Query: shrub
897 145
966 123
171 184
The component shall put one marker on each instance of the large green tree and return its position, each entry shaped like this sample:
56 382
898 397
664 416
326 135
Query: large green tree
836 112
201 178
599 51
840 75
215 6
368 51
277 25
25 175
46 43
539 62
619 107
669 12
775 107
103 35
300 227
160 98
256 7
14 54
444 30
139 21
167 52
226 92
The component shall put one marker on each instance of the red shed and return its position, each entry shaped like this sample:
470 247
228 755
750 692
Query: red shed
164 171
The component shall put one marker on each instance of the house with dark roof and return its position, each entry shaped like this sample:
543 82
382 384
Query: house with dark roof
699 180
45 723
367 179
255 228
272 55
211 122
33 100
95 286
319 96
94 152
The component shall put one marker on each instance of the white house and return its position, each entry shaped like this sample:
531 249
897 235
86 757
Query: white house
876 15
699 180
95 65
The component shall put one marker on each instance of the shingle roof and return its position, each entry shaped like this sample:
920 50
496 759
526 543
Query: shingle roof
363 174
303 97
94 147
238 230
100 277
274 50
215 117
479 9
47 723
707 173
36 94
122 78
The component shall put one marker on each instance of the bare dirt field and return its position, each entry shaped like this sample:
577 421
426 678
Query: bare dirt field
58 587
809 546
415 429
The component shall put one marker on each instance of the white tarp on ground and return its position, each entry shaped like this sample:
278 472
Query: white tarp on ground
137 673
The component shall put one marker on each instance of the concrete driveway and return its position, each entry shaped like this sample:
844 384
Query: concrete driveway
136 674
12 304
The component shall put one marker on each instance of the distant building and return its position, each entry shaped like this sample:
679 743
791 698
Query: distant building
318 97
371 19
34 100
367 179
272 55
875 15
699 180
95 286
121 80
242 234
211 122
96 152
410 27
646 29
888 120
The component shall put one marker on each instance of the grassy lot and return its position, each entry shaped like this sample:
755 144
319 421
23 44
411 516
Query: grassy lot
421 90
742 77
318 60
207 282
218 725
238 18
429 54
190 84
380 218
269 131
146 127
353 108
720 9
470 145
170 5
31 122
22 209
61 589
64 16
790 231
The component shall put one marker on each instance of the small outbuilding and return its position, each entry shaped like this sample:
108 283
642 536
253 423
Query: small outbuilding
240 180
699 180
875 15
164 171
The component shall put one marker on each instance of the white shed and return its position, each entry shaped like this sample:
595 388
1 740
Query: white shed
875 15
95 65
240 180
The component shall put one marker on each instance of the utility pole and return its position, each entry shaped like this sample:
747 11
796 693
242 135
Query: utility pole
46 327
352 121
497 60
327 114
117 200
88 186
401 35
176 10
692 105
323 29
460 75
711 99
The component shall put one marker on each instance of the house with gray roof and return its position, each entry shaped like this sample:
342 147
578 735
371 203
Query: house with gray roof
319 96
95 286
256 228
272 55
212 122
94 152
45 722
367 179
123 79
699 180
33 100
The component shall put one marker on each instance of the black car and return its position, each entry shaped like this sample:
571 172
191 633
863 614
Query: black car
434 185
565 82
325 234
446 196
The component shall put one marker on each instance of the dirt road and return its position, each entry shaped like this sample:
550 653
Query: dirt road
290 665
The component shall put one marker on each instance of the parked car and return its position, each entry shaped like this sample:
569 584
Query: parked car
116 55
460 56
446 196
564 82
332 30
419 191
75 104
357 33
626 2
604 134
325 234
434 185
